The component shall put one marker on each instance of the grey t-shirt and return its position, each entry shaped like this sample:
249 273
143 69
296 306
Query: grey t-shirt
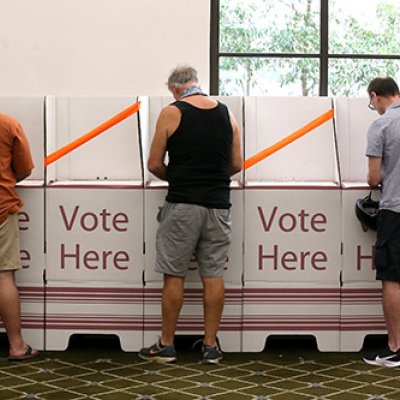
384 142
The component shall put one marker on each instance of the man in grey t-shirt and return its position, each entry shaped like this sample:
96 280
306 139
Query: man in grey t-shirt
383 152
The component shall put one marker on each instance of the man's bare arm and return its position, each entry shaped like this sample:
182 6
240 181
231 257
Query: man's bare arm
236 158
374 171
167 123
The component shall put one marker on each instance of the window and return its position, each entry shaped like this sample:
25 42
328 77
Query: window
303 47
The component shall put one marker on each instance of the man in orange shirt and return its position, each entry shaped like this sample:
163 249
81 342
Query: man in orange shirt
15 165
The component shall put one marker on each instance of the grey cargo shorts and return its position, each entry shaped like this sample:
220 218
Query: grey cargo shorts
187 229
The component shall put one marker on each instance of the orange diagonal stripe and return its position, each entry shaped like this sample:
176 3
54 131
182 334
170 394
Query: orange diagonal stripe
288 139
116 119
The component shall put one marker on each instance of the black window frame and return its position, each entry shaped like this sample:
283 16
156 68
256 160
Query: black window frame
323 55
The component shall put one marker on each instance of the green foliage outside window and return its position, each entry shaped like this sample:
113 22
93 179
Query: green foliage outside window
293 27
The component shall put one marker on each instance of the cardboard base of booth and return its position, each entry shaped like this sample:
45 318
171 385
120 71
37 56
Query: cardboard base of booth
94 310
307 308
361 314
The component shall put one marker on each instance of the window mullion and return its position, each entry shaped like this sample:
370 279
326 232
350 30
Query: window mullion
214 47
324 43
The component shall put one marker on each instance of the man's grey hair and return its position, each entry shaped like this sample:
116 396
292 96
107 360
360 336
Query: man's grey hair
181 75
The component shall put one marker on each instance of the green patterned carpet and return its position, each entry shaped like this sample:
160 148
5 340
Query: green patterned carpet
95 368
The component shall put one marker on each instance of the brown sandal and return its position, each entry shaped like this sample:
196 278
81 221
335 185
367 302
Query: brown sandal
29 353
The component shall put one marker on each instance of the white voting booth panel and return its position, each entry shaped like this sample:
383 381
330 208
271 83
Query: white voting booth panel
292 235
30 278
352 120
292 257
287 308
94 223
113 155
87 309
361 314
29 111
292 225
94 263
94 234
310 158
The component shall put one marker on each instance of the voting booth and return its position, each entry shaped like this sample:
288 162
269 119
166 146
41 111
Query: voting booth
300 263
29 111
191 321
94 223
361 299
292 223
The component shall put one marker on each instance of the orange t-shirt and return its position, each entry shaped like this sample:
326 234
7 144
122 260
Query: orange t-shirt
15 164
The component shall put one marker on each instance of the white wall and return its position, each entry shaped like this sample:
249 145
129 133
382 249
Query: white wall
94 47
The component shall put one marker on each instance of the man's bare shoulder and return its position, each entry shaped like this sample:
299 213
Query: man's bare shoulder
170 111
169 115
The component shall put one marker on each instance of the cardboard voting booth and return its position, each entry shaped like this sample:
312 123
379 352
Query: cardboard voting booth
29 111
292 220
94 224
300 262
191 318
361 298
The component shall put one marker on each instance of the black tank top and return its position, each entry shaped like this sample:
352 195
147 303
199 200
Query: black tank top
200 156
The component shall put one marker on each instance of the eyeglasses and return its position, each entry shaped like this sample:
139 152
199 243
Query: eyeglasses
371 106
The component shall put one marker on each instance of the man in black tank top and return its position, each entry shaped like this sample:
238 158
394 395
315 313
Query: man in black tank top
203 144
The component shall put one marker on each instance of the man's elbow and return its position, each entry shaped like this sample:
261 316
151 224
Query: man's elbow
373 181
151 167
21 177
235 168
154 167
159 170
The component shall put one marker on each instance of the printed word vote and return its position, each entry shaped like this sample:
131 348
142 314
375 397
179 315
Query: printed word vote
89 221
287 222
93 259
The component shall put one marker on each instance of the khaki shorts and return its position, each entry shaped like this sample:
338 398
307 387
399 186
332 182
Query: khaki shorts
187 229
9 244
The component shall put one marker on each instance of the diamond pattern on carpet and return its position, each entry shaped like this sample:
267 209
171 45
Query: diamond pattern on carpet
106 373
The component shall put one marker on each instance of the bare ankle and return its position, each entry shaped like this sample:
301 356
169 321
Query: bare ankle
17 345
210 343
164 342
394 347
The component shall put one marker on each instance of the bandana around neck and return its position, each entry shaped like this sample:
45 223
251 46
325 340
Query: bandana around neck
192 91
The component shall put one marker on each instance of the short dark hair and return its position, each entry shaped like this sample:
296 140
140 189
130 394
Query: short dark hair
385 87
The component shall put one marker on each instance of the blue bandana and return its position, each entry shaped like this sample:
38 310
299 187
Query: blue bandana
192 91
